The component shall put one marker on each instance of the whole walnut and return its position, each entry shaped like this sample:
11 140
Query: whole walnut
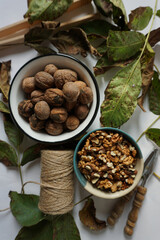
80 84
50 68
42 110
72 122
70 91
54 97
53 128
59 115
28 84
44 80
25 108
62 76
81 111
36 96
35 123
86 95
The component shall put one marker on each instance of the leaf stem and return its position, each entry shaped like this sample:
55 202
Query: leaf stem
83 199
20 170
148 128
3 210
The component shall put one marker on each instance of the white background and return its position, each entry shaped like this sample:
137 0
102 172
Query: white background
147 227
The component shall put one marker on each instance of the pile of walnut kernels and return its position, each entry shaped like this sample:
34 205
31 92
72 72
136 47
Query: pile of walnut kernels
57 100
107 160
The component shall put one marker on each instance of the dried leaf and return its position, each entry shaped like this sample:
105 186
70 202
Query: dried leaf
121 96
154 37
31 153
8 155
139 18
14 134
41 49
88 216
25 209
154 95
124 44
158 13
50 24
4 108
154 135
147 62
73 41
104 64
46 9
41 231
64 228
4 78
38 35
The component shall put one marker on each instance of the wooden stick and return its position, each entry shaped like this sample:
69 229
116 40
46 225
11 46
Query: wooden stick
18 39
24 24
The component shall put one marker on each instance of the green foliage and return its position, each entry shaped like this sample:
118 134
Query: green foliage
122 45
46 10
121 96
31 153
64 228
158 13
25 209
139 18
14 134
154 135
41 231
154 95
8 154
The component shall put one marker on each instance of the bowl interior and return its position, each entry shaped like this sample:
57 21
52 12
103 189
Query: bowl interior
16 94
99 193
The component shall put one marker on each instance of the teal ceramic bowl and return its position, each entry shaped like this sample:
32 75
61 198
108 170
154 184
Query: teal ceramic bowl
95 191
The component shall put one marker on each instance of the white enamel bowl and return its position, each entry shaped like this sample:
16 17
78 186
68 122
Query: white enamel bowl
16 95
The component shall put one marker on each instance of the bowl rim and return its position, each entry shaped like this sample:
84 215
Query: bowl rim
96 88
83 181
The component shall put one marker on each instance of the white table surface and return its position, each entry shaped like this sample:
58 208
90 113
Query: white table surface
147 227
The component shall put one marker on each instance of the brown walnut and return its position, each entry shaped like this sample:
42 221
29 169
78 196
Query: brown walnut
80 84
25 108
86 95
72 122
42 110
28 84
35 123
51 69
82 111
44 80
70 91
62 76
53 128
59 115
54 97
36 96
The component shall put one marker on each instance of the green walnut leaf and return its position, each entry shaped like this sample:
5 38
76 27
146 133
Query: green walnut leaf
121 96
154 95
41 231
139 18
4 108
25 209
158 13
154 135
8 154
46 9
31 153
14 134
122 45
64 228
88 216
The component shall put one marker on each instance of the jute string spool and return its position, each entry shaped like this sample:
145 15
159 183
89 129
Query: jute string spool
57 188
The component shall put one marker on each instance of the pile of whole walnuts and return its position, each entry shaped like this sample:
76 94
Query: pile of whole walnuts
57 100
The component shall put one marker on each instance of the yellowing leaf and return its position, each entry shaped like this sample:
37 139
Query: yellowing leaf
88 218
121 96
4 78
4 108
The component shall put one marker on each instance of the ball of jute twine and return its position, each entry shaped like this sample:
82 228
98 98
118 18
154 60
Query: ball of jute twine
57 188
